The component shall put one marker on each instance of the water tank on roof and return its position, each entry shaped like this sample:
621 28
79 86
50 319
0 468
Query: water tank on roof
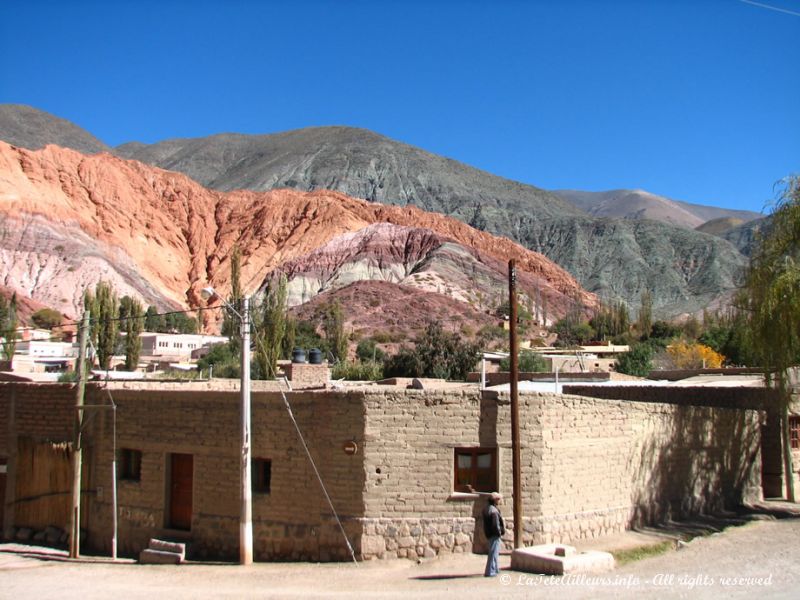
298 355
315 356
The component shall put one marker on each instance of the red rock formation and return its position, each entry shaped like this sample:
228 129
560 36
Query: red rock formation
160 232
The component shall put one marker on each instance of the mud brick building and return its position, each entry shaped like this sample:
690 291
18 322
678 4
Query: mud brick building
401 466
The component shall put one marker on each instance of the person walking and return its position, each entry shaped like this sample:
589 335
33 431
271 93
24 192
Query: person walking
493 528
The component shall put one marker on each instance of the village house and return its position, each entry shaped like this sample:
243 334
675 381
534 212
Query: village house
404 468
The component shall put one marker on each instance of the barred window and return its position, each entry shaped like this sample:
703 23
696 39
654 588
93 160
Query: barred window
794 432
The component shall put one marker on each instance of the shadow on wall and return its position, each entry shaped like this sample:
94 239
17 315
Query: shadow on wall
697 460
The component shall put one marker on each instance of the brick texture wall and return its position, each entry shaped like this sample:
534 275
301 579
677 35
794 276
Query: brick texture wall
589 466
293 521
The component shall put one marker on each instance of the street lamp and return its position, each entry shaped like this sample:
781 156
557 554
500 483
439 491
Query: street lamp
246 515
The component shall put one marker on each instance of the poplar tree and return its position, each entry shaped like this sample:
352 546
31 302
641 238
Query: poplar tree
8 325
132 323
271 325
103 307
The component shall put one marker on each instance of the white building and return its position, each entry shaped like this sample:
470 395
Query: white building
176 345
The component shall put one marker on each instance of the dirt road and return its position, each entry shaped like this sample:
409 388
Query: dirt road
761 560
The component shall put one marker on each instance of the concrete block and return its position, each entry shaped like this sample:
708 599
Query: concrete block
159 557
164 546
560 559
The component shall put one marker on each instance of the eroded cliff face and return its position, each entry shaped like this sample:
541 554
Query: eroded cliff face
70 220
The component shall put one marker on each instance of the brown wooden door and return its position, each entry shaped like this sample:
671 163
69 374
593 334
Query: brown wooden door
180 491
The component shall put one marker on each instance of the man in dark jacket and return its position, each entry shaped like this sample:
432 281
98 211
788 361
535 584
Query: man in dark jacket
493 528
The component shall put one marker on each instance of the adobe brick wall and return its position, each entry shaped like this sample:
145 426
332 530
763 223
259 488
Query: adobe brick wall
306 375
293 521
409 437
742 398
610 464
589 466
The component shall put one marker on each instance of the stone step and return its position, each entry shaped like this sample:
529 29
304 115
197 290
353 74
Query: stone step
159 557
164 546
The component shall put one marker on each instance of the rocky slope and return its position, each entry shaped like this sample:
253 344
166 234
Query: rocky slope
366 165
416 258
71 219
28 127
618 258
639 204
395 313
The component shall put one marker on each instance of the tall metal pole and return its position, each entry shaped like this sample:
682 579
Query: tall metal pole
246 518
515 451
75 514
114 524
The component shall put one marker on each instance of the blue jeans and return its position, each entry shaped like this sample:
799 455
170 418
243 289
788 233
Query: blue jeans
491 560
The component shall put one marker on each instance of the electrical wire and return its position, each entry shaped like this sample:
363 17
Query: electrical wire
259 341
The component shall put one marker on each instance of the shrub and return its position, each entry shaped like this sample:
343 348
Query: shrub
367 350
637 361
437 354
529 362
357 371
46 318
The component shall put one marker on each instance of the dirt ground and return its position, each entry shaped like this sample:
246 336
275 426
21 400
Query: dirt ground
759 559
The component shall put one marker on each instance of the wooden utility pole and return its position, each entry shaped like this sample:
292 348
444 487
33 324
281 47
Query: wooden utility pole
75 513
515 452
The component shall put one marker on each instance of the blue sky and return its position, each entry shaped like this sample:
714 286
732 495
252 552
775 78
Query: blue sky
695 100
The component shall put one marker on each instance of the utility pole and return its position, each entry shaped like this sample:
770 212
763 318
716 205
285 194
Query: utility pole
515 451
246 512
246 517
75 514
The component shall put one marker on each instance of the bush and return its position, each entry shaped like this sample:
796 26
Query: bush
529 362
226 363
46 318
637 361
357 371
437 354
68 377
367 350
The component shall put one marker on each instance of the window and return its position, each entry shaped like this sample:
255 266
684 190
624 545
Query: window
130 464
261 475
794 432
475 470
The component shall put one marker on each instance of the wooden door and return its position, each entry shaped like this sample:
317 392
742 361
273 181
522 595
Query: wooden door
180 491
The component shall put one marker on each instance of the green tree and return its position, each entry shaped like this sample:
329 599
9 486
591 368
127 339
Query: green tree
333 326
270 327
103 308
46 318
225 362
528 362
572 333
438 353
132 324
664 330
637 361
8 325
231 325
367 350
645 321
771 300
153 321
289 338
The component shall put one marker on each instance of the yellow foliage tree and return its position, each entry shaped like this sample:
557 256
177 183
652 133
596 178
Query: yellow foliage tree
694 356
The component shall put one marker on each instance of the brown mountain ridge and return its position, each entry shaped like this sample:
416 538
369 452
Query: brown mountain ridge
72 219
